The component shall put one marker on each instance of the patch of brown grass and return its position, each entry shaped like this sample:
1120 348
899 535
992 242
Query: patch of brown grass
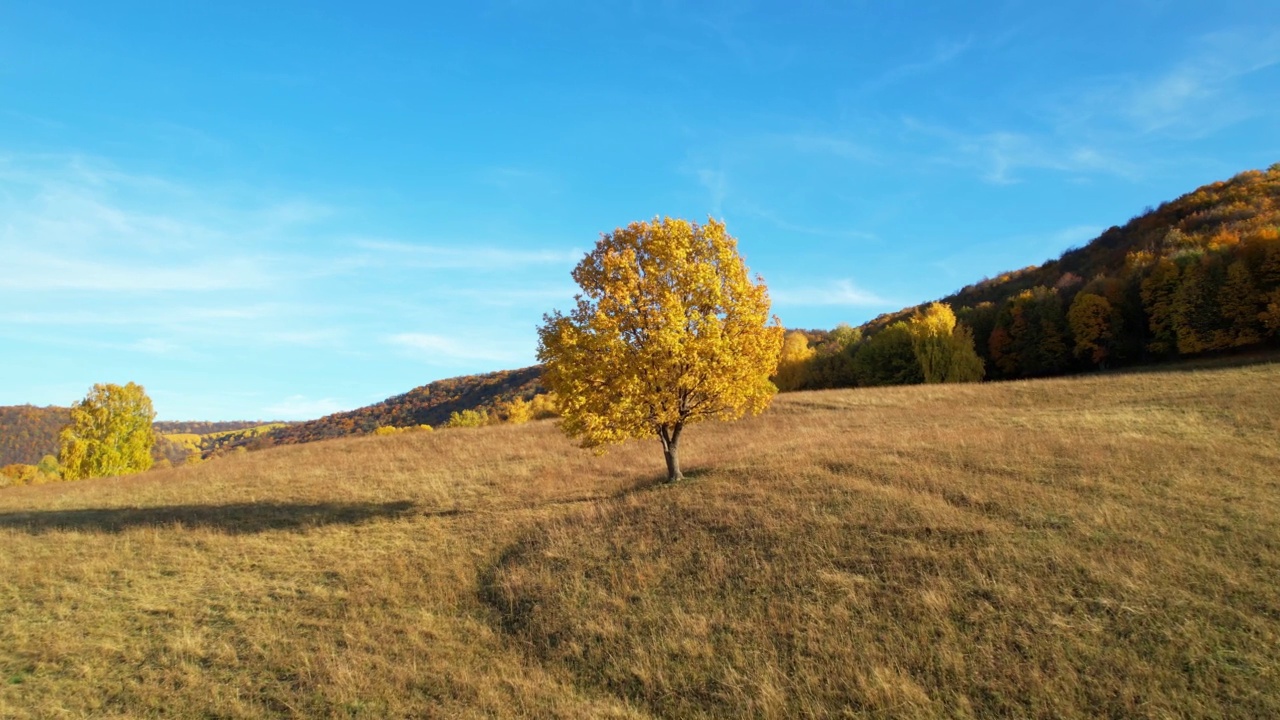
1079 547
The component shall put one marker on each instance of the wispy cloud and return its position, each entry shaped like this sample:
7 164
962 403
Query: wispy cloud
943 54
783 224
1200 94
1100 126
837 293
49 272
156 346
830 146
77 224
440 348
1073 236
460 258
999 156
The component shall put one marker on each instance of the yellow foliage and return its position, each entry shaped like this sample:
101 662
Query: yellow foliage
110 433
944 350
467 418
189 441
19 474
793 362
517 411
543 406
669 330
384 430
1224 239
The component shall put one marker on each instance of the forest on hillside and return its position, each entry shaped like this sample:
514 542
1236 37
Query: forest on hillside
202 427
432 405
28 433
1200 274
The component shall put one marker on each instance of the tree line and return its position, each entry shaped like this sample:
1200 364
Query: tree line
1200 274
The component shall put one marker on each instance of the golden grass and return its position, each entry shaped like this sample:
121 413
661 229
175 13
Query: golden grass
1097 546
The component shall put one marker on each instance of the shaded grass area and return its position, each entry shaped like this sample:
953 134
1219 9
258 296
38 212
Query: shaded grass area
1100 546
232 518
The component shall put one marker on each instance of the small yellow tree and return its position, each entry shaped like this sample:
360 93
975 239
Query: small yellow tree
467 419
110 433
669 330
518 411
944 350
793 362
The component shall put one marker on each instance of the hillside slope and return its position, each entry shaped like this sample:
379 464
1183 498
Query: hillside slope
1104 545
28 433
430 404
1199 274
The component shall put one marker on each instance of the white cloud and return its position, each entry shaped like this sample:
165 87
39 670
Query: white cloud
999 156
51 272
1074 236
1201 93
440 348
155 346
169 316
71 223
454 258
321 337
1099 126
840 292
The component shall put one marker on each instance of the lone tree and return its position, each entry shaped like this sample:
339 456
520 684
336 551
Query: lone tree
110 433
669 330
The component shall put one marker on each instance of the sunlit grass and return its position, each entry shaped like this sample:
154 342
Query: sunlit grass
1104 545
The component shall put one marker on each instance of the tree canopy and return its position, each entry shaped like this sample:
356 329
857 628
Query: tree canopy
944 349
670 329
110 433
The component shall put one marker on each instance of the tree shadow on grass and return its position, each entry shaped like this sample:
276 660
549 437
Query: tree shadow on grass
234 519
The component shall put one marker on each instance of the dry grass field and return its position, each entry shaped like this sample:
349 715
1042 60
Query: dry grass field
1104 546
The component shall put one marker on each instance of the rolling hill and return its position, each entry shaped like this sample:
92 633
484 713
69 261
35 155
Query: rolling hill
1097 546
430 404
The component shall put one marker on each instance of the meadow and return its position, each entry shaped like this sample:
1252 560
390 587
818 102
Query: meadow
1095 546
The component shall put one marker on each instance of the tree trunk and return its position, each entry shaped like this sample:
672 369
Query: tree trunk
671 451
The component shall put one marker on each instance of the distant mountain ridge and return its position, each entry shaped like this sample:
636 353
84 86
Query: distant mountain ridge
204 427
28 433
429 404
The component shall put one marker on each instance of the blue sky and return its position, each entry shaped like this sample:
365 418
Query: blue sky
279 210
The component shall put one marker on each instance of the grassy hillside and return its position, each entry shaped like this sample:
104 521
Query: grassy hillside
1103 545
